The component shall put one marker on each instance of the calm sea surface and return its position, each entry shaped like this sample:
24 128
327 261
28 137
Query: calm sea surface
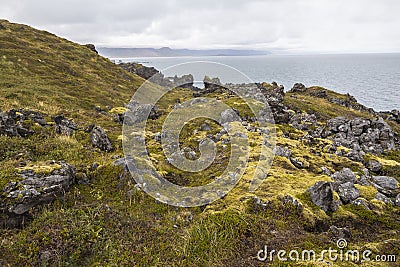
374 79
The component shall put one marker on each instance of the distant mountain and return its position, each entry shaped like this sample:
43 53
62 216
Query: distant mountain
168 52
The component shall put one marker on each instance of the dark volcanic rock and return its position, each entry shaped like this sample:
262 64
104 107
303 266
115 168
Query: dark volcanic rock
322 195
100 140
64 126
140 70
298 87
92 47
11 124
35 189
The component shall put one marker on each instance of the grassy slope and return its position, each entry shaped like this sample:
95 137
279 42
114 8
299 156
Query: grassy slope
109 222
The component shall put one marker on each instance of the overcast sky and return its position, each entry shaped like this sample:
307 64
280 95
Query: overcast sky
295 26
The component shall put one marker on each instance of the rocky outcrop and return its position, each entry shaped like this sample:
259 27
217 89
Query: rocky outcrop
140 70
298 87
33 189
15 122
92 47
64 126
100 139
362 135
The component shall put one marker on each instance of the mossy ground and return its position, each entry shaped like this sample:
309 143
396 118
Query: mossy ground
109 222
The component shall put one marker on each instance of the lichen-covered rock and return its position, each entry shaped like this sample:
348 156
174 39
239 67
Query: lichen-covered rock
385 185
322 195
282 151
344 176
34 189
347 192
384 198
100 139
362 202
374 166
374 136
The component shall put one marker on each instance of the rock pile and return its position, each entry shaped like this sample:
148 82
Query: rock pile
322 193
35 188
12 122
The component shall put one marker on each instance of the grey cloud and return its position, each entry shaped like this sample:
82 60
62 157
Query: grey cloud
296 25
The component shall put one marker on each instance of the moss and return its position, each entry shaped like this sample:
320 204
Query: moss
367 192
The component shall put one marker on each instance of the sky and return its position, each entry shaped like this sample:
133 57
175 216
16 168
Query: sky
283 26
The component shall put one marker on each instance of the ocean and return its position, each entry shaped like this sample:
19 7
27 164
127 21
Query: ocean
374 79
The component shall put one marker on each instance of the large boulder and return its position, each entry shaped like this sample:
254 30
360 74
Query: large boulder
374 166
347 192
344 176
322 195
298 87
385 185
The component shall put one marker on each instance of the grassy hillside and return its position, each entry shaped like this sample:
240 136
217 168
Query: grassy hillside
104 220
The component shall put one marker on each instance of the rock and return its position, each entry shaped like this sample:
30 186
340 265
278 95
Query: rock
205 127
344 176
321 94
361 202
336 124
11 124
64 126
139 113
282 151
186 81
382 197
289 199
326 171
322 195
92 47
355 155
299 162
298 87
2 27
303 121
35 189
385 185
143 71
100 139
374 166
385 182
340 232
359 125
228 115
347 192
397 202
